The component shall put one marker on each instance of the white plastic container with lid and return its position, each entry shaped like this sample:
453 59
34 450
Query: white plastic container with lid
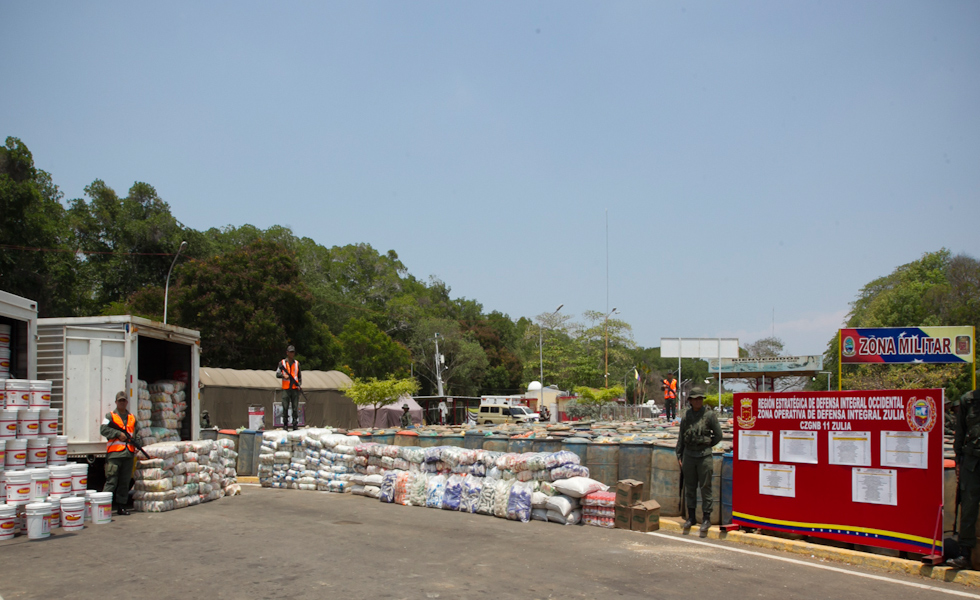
79 479
8 521
54 521
16 454
60 481
19 486
72 514
88 504
58 450
18 393
4 362
3 453
3 487
37 452
28 420
8 423
40 394
48 422
5 330
38 520
101 508
41 484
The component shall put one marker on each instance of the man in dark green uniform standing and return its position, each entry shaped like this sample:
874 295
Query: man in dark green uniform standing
700 431
966 445
406 417
119 454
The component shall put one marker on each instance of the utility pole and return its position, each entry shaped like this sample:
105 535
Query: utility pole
605 328
439 360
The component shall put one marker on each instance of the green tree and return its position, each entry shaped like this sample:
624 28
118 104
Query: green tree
465 361
379 392
591 400
370 352
38 259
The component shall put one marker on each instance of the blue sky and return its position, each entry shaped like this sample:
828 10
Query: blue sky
754 157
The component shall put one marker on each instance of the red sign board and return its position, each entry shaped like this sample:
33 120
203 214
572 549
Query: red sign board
864 467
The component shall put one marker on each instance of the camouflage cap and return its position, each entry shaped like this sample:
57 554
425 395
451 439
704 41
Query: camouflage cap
696 392
122 396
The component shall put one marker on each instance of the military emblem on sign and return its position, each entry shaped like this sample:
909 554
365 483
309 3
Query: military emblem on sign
848 349
920 413
746 420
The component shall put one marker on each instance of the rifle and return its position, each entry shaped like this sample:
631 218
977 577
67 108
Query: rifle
296 383
129 439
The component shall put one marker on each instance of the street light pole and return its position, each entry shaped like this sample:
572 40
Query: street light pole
828 374
438 367
166 292
541 357
605 328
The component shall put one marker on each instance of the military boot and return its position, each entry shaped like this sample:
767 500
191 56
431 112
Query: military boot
705 525
962 561
691 520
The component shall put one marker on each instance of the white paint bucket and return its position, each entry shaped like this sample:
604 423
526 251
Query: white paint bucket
16 454
3 487
60 481
73 514
18 486
3 453
48 422
88 504
28 420
101 508
18 393
8 521
40 394
54 520
38 520
4 361
8 423
37 452
58 450
79 479
41 484
5 334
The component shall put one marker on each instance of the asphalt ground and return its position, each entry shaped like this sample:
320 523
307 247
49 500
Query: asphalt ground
271 543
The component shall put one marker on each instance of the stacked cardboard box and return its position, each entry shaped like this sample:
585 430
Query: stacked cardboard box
633 514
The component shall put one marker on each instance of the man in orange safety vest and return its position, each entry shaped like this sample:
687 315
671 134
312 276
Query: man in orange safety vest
669 387
119 455
292 380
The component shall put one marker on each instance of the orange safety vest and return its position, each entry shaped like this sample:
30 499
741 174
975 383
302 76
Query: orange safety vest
130 427
671 389
287 383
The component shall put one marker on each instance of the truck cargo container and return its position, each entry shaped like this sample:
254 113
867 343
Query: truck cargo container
20 314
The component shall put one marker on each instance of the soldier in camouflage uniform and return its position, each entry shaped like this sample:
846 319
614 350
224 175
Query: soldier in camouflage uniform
406 417
966 444
700 431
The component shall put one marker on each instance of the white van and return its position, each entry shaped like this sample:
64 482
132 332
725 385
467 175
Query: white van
495 414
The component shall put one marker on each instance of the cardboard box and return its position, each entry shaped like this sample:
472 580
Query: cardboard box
645 516
623 517
628 492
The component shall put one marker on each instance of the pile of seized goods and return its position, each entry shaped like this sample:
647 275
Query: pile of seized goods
161 410
545 486
181 474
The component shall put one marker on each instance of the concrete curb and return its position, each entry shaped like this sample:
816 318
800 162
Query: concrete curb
852 557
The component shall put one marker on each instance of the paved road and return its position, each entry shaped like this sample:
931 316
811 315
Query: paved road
291 544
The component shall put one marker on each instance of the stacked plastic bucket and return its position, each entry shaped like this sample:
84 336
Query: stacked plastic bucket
39 489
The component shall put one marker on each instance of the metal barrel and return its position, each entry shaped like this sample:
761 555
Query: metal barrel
384 437
603 462
726 488
519 445
430 441
406 439
496 443
453 439
246 453
545 445
635 460
473 440
666 478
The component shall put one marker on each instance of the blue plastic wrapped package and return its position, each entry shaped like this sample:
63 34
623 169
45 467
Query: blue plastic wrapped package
388 487
567 472
519 503
435 489
454 492
560 459
472 488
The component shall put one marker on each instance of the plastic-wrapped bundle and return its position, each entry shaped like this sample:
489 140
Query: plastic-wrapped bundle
454 492
388 487
470 498
607 512
502 497
162 387
153 485
403 488
607 522
417 493
372 491
568 472
412 454
606 499
154 496
519 502
153 474
488 495
539 514
435 489
562 504
572 518
434 454
560 459
153 506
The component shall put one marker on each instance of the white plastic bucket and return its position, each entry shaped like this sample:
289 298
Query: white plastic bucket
38 520
101 508
8 521
4 361
41 484
79 478
18 393
8 423
58 450
40 394
3 488
37 452
16 454
3 453
48 422
5 334
19 486
54 520
73 514
28 420
60 481
88 504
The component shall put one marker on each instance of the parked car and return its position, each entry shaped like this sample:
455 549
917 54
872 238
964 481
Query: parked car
496 414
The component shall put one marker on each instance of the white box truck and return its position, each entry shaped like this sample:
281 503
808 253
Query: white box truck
91 359
20 314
